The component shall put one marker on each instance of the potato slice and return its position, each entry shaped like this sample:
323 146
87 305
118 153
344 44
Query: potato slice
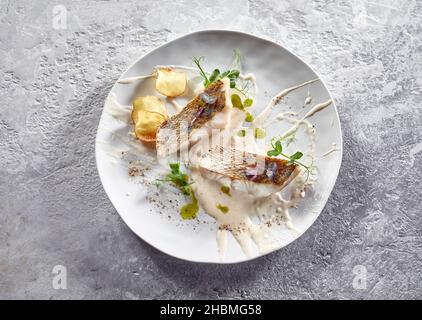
150 103
147 125
148 114
170 83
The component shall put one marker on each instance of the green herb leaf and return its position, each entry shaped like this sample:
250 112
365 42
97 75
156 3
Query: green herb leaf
175 167
224 74
272 153
234 74
181 180
214 75
296 156
187 190
232 82
293 159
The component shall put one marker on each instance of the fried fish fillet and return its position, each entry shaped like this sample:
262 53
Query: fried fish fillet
198 114
256 174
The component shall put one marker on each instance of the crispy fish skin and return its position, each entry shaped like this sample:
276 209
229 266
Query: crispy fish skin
197 112
242 165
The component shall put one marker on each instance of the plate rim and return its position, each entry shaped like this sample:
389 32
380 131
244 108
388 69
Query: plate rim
250 35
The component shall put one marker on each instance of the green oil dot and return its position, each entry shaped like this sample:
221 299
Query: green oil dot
236 101
260 133
241 133
190 210
248 102
222 208
249 117
226 190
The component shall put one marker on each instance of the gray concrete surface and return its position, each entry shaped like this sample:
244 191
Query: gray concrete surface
54 210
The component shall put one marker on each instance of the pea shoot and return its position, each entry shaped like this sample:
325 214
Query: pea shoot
216 75
293 159
181 181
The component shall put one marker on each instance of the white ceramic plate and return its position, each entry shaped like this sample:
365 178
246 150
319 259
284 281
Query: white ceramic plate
275 69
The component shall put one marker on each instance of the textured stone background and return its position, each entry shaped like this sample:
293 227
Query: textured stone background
53 207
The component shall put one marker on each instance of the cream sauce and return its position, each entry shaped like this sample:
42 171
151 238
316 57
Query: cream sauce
130 80
297 123
175 104
283 115
251 77
308 100
262 117
317 108
333 148
112 153
117 110
237 220
134 146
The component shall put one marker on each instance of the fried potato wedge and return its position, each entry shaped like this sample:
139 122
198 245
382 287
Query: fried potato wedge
170 83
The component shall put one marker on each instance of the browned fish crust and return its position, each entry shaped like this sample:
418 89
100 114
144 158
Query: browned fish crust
197 112
201 109
241 165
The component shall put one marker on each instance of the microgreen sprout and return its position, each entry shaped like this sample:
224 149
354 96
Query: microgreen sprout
288 139
179 179
203 74
231 74
293 159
